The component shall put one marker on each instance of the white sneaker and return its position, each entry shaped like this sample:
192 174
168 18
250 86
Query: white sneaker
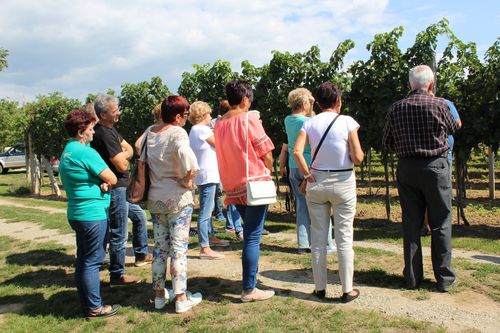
160 302
192 300
331 250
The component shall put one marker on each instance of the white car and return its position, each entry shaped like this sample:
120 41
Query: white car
13 158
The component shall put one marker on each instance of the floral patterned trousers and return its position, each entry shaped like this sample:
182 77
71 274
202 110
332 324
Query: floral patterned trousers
171 234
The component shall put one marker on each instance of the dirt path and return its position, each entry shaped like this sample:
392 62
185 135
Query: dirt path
28 231
457 312
51 210
457 253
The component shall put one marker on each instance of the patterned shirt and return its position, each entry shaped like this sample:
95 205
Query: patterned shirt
418 126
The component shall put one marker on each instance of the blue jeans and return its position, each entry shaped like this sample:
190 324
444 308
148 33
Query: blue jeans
233 219
253 218
205 229
90 252
302 213
120 210
219 215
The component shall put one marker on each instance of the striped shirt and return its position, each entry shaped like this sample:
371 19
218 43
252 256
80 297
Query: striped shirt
418 126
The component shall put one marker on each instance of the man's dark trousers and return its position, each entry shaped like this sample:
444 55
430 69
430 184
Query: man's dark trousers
424 182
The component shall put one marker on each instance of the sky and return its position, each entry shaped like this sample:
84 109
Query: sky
87 46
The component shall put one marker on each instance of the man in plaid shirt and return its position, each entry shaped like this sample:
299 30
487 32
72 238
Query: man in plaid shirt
416 130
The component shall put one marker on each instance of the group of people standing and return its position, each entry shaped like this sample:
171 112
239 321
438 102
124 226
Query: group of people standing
320 152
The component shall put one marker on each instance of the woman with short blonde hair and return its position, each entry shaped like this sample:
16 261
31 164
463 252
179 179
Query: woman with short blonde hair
301 102
202 142
298 100
157 114
197 112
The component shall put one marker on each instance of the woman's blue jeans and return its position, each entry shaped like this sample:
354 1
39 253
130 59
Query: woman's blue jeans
253 218
233 219
219 215
205 229
302 213
90 251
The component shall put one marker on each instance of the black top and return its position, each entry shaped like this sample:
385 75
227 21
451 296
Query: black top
107 143
418 126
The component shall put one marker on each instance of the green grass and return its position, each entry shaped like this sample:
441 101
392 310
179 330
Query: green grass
61 204
479 276
37 293
36 284
46 220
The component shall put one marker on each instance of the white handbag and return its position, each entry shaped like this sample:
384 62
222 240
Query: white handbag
259 192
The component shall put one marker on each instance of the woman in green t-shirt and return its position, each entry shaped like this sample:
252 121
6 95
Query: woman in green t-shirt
86 179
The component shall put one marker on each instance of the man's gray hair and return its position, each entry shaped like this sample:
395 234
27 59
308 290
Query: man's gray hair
102 103
420 77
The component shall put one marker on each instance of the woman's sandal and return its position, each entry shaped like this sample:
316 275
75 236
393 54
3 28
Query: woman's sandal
104 311
346 297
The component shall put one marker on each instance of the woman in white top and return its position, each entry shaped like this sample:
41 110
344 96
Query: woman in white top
331 184
202 141
172 167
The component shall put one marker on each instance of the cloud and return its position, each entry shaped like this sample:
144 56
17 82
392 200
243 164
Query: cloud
80 46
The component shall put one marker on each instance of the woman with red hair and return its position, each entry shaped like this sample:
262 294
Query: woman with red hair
86 179
172 167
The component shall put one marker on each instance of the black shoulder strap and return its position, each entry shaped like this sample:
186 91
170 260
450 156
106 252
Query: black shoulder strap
323 139
144 146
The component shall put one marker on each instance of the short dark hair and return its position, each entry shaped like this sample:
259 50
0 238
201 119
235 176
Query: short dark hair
327 94
171 106
237 90
78 120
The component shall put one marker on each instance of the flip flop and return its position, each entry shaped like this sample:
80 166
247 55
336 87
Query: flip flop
218 256
104 311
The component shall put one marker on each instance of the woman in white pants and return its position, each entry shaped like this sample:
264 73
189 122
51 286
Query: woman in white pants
331 184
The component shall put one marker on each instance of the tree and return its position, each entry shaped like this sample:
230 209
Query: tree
423 51
14 121
473 87
91 96
3 58
137 101
375 86
286 72
46 135
207 83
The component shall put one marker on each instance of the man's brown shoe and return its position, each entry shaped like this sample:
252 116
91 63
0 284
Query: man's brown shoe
124 280
148 259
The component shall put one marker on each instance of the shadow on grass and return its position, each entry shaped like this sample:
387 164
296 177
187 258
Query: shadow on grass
18 303
238 246
55 257
373 229
476 231
63 305
41 279
277 248
492 259
372 277
215 289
